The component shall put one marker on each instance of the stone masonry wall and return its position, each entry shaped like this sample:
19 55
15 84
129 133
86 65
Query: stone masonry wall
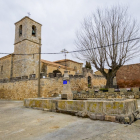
6 70
98 81
128 76
19 90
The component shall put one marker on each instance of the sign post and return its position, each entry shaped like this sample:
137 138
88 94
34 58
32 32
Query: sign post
66 92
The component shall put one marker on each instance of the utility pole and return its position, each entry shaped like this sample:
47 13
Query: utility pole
65 53
39 67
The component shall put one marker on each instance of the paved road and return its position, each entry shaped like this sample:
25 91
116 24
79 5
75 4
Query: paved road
19 123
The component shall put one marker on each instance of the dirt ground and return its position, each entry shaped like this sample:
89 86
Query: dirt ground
20 123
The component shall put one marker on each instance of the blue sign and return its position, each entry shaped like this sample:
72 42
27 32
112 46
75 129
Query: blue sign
64 82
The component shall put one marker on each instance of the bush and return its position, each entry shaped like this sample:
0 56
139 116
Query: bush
104 89
89 85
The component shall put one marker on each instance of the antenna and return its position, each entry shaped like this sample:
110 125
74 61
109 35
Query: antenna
65 53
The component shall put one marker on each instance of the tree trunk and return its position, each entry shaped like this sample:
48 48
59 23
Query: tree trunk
109 82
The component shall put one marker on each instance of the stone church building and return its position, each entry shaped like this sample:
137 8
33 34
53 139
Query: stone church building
19 71
24 62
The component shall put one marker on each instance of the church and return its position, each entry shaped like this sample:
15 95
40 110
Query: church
24 61
20 71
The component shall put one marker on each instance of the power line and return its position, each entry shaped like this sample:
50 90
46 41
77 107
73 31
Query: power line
78 50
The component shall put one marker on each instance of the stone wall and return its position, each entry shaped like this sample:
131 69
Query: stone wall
123 94
25 64
26 88
118 110
98 81
5 67
107 95
128 76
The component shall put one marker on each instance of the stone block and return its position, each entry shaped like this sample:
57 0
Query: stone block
63 96
74 92
95 107
100 117
93 117
131 118
83 92
76 105
110 118
71 105
126 119
120 118
135 89
137 96
61 105
48 104
123 90
111 90
91 91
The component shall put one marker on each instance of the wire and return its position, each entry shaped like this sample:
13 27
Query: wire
79 50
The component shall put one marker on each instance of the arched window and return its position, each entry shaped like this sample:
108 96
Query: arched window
55 72
89 80
34 30
20 30
1 69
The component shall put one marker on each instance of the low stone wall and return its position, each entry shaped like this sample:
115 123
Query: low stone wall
19 89
116 110
106 95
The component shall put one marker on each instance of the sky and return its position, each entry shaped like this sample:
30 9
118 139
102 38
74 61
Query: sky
61 19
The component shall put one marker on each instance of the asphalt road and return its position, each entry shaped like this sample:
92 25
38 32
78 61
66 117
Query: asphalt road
19 123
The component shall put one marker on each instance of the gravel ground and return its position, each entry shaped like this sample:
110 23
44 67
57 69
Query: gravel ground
19 123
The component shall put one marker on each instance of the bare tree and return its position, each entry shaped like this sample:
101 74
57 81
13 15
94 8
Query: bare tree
105 37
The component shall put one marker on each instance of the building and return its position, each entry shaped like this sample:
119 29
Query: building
128 76
19 70
24 62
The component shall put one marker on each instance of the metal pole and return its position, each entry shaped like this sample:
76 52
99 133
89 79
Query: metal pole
39 68
65 61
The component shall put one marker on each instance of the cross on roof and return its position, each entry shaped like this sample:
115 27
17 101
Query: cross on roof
28 14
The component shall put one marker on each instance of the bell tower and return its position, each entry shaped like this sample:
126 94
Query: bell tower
26 45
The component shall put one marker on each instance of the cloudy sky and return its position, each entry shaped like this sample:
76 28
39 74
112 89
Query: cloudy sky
60 19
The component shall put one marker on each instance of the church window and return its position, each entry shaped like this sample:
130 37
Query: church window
34 30
89 81
1 69
20 30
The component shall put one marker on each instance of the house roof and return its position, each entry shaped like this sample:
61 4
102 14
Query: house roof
55 64
63 60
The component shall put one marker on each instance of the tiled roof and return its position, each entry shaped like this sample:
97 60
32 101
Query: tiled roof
28 18
63 60
55 64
